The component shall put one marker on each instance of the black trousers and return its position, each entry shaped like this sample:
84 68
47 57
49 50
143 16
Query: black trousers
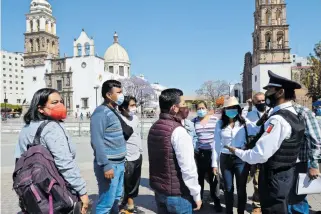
132 177
204 166
274 189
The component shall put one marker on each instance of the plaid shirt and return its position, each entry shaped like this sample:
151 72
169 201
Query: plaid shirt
311 149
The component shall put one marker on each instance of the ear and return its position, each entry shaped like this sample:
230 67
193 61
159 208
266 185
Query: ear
280 93
40 109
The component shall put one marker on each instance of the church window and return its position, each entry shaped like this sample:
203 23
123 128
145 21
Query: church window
255 78
31 45
84 102
278 17
52 27
87 49
268 17
53 47
128 73
37 45
111 69
121 70
268 41
38 25
34 79
48 46
79 50
280 40
267 1
59 85
31 25
47 24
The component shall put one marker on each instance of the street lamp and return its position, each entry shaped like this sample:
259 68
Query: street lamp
5 104
142 114
96 88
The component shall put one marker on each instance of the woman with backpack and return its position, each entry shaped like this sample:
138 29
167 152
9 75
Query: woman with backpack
44 127
231 131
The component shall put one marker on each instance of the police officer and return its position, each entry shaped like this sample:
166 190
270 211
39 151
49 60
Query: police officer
278 147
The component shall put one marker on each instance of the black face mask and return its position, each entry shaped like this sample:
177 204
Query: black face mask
260 107
271 99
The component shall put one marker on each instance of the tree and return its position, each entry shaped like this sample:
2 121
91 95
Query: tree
212 90
138 88
311 78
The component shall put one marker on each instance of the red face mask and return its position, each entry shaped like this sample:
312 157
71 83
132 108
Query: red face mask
58 112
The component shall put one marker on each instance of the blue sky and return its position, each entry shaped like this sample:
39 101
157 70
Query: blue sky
179 43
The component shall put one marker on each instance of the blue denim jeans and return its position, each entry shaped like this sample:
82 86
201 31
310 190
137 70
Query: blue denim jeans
173 204
232 165
298 203
110 191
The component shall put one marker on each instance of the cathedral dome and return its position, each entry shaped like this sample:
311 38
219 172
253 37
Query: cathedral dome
40 5
116 53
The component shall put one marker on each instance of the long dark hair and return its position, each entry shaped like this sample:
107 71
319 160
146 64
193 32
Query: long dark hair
40 98
226 120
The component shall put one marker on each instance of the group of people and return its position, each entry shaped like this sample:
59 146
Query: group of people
273 143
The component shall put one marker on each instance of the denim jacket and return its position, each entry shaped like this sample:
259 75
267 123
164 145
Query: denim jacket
54 137
190 128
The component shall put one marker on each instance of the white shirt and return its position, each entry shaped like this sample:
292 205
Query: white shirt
254 115
184 151
277 129
229 136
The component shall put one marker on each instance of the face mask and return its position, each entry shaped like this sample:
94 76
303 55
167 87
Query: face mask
260 107
183 111
132 111
120 99
270 100
201 113
58 112
231 113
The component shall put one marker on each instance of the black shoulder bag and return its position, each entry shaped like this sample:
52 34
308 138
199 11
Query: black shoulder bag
127 130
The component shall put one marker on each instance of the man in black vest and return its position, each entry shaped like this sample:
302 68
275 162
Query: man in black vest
278 147
172 169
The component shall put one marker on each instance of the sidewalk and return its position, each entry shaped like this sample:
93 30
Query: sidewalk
145 200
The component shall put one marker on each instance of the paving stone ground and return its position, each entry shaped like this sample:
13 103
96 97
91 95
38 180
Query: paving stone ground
145 200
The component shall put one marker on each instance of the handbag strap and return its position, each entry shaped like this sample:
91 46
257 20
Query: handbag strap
117 115
36 140
246 134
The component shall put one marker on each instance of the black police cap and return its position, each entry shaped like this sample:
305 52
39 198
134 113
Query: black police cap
281 82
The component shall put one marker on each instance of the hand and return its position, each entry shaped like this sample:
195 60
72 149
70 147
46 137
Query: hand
109 174
215 170
313 173
231 149
85 203
249 101
198 205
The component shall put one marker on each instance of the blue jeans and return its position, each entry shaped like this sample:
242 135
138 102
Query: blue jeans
232 165
173 204
298 203
110 191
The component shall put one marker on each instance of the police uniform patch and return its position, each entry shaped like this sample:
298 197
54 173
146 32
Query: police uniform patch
269 128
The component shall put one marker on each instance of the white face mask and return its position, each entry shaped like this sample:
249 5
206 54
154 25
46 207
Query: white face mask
132 111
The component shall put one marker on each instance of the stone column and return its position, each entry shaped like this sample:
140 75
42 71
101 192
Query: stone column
28 26
54 29
34 23
42 24
49 26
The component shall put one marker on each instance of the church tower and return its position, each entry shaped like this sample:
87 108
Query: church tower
41 41
271 49
270 37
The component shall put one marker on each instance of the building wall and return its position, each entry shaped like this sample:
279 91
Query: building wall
299 61
35 79
13 77
87 72
261 78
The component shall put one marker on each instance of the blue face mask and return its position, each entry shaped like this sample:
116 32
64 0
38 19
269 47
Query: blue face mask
201 113
120 99
231 113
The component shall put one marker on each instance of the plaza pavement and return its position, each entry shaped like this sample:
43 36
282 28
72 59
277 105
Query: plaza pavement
145 200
